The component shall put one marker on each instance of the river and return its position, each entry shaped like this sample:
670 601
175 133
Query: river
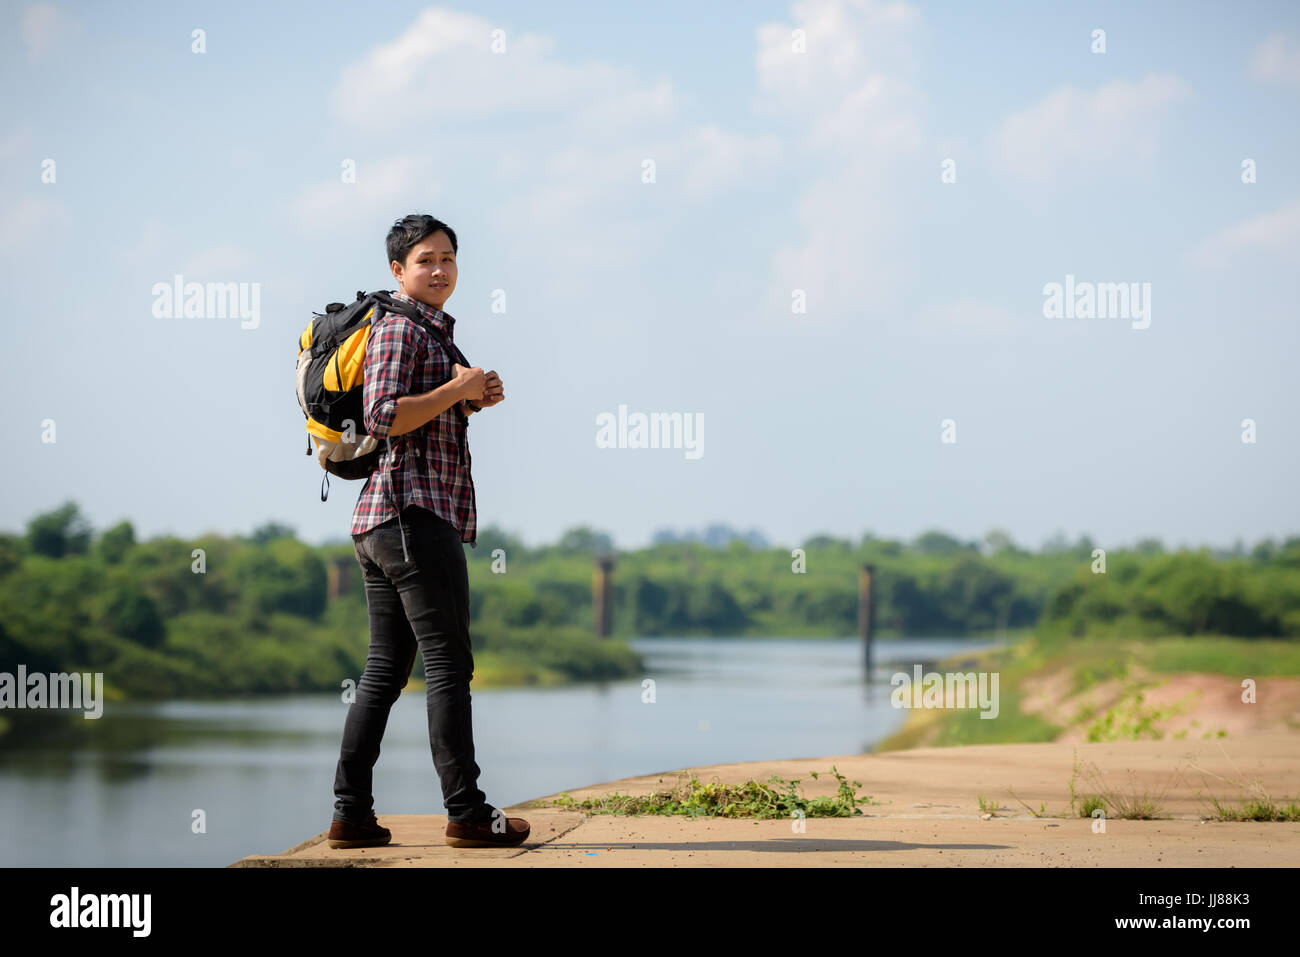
125 792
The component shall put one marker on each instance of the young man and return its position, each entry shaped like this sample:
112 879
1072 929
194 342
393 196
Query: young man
414 512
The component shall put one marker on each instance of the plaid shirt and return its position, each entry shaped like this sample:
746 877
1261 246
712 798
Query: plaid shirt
430 465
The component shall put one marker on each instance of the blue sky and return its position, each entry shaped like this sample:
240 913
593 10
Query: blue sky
776 169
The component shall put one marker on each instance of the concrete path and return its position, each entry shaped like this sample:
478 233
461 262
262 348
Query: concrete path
929 815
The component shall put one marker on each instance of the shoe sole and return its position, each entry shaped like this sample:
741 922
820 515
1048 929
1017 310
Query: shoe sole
370 843
472 842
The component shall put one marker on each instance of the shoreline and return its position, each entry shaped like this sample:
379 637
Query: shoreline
930 815
1096 690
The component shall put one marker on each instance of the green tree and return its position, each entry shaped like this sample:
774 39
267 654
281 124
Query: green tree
284 575
123 608
974 593
271 531
492 537
1057 544
116 542
935 542
584 540
1149 546
998 541
63 531
828 541
47 608
11 552
1264 550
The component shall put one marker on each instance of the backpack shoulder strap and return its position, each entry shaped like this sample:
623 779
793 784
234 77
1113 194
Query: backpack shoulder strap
389 304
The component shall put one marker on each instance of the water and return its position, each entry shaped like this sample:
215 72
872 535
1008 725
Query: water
124 792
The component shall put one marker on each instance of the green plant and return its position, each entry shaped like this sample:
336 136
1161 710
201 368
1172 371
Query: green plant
1042 807
696 798
1258 805
1074 777
1129 720
1091 803
1256 809
1088 675
1133 804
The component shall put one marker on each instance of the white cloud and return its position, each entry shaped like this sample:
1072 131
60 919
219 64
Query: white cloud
565 141
15 142
879 113
857 118
842 41
1277 60
443 65
1275 232
24 217
712 157
1073 131
44 25
624 108
404 180
575 182
570 181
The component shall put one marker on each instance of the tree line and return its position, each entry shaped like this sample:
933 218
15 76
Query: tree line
258 616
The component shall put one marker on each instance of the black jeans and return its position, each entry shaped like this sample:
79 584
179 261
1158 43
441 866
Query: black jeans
424 602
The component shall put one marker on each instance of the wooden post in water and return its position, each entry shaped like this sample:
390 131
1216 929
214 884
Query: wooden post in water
866 614
339 570
600 594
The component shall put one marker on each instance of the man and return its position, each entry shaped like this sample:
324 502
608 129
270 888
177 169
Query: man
413 514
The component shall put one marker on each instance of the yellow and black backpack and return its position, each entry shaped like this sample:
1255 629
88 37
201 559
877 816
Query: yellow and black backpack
331 360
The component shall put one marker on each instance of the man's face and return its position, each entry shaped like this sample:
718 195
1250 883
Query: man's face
429 274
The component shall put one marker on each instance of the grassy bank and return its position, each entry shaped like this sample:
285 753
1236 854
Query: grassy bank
497 670
1080 665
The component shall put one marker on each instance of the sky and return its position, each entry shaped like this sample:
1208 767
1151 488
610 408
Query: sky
825 231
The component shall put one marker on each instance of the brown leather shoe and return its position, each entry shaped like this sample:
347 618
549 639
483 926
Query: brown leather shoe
480 834
370 834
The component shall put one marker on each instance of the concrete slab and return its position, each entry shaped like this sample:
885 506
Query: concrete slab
929 814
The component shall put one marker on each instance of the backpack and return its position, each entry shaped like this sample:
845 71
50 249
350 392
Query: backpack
331 360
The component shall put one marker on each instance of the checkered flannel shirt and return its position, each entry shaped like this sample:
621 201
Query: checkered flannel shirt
428 466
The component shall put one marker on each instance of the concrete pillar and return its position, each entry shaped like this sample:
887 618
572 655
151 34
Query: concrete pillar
866 613
339 570
601 602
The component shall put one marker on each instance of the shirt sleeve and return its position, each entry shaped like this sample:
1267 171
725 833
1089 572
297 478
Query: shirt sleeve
388 372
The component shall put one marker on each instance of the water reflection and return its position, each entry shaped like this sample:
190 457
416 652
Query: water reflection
122 790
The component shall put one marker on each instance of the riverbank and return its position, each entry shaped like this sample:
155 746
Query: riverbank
712 700
1091 690
983 806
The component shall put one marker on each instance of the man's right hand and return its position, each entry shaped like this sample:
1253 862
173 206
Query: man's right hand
470 382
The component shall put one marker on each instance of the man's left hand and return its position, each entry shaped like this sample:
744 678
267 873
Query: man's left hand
493 391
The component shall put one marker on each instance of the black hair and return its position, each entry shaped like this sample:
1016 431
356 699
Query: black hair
409 230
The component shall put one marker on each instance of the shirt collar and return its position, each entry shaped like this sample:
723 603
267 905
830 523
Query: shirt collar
443 320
